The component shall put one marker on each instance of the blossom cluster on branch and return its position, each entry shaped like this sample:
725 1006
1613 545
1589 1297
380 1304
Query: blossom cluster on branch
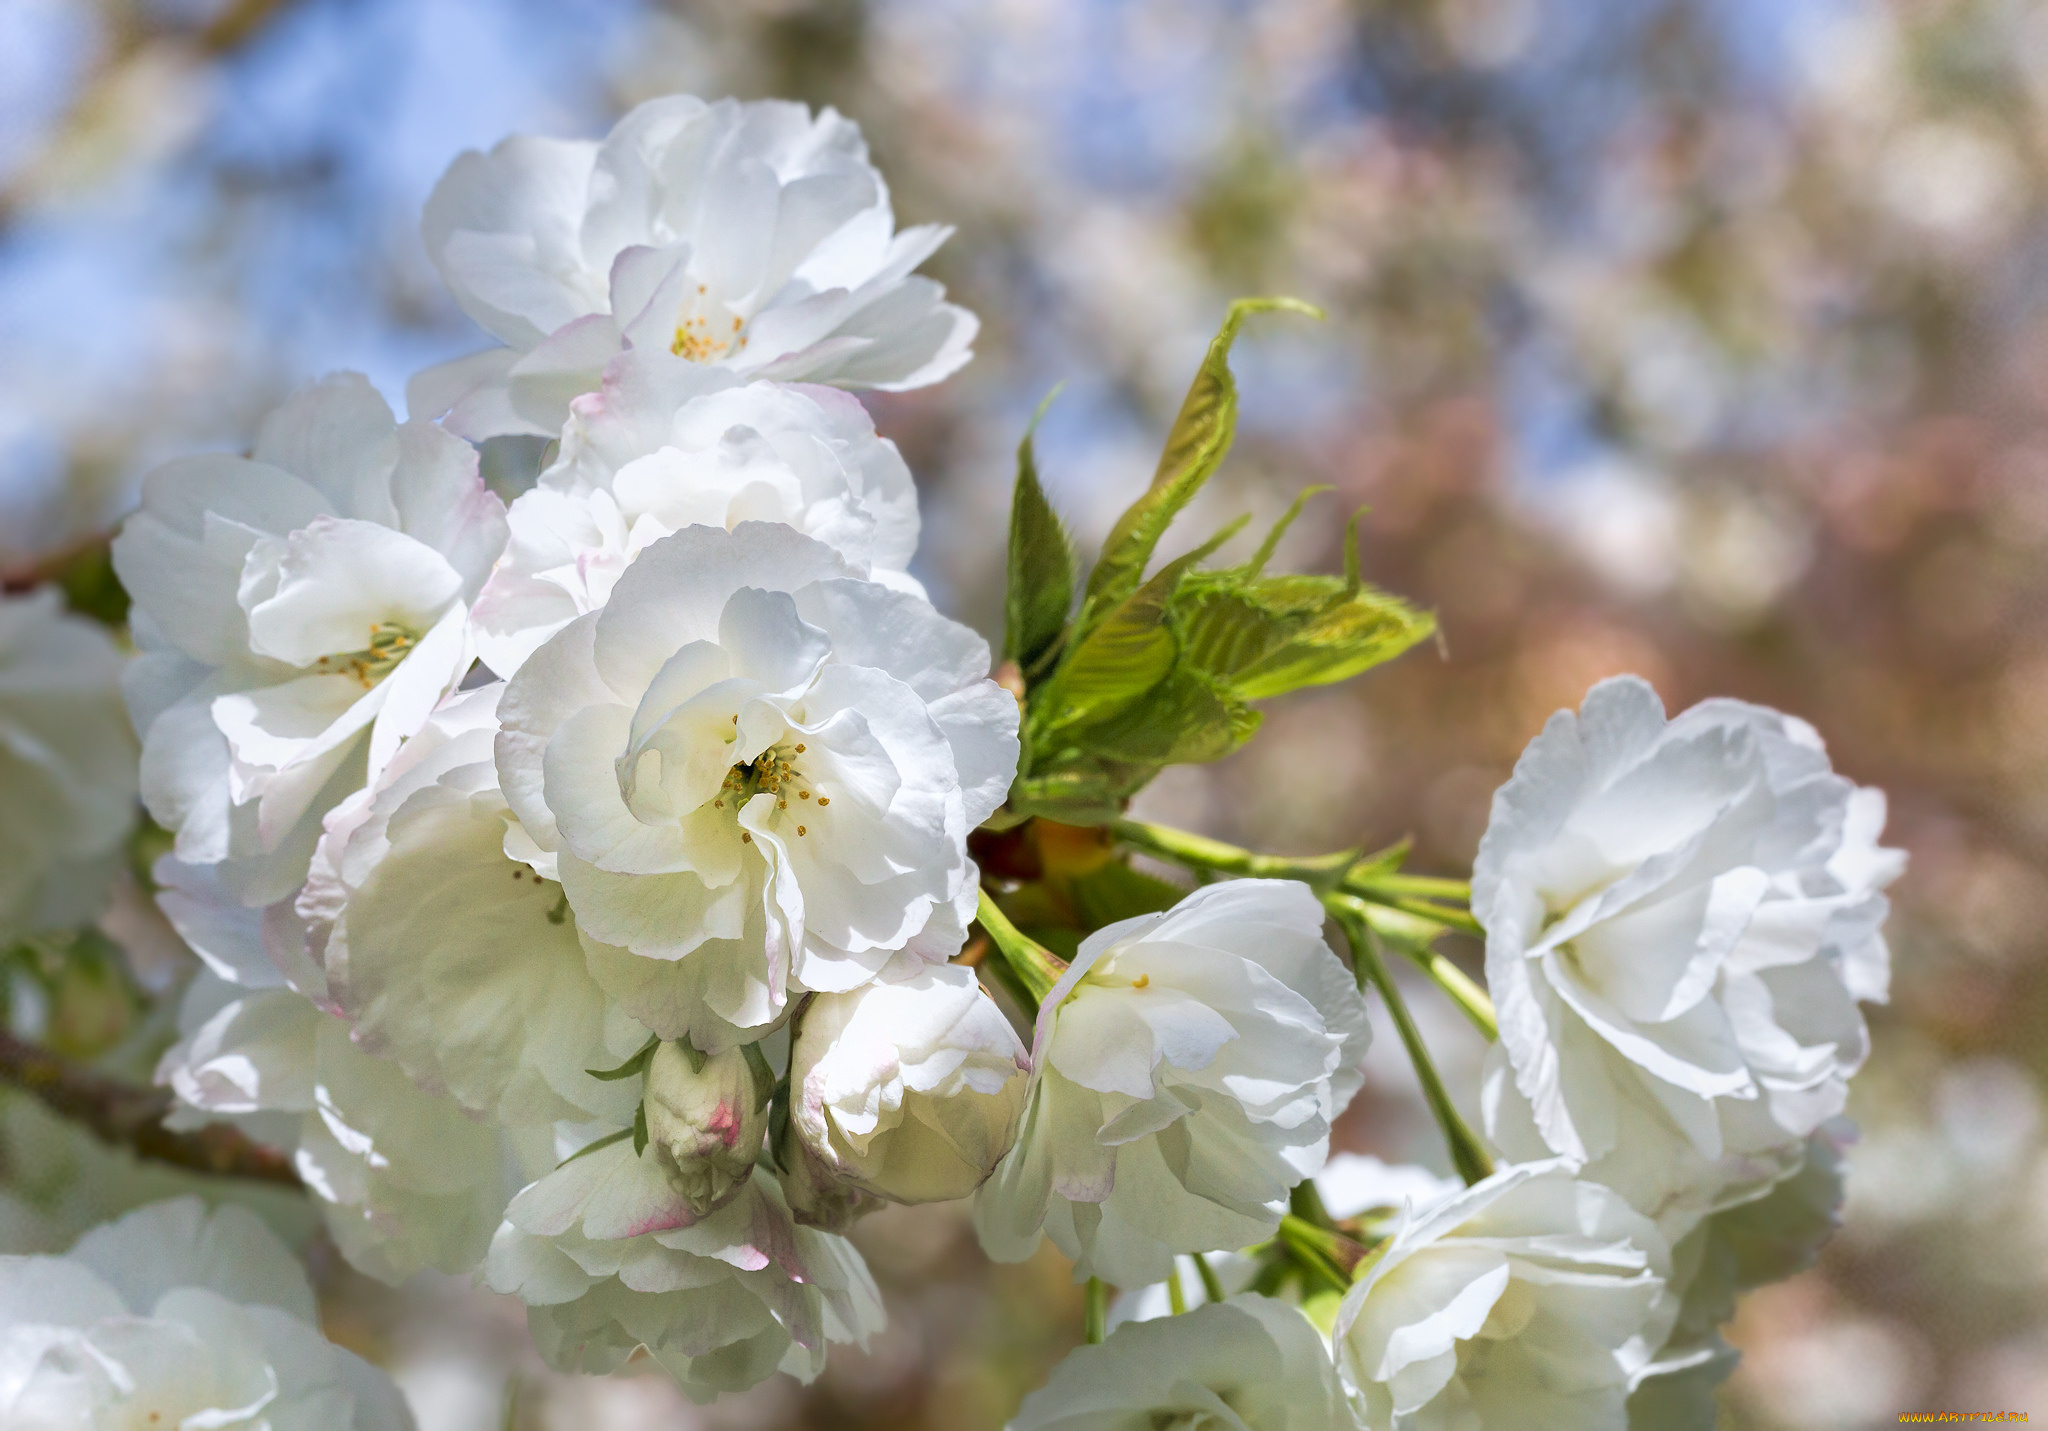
594 894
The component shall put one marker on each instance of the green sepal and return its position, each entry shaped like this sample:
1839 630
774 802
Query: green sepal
640 1130
591 1147
1042 568
778 1123
636 1064
763 1075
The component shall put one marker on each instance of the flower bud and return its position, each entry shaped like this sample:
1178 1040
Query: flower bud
911 1090
817 1196
705 1117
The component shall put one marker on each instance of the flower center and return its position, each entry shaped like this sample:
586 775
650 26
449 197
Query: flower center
773 772
390 642
706 332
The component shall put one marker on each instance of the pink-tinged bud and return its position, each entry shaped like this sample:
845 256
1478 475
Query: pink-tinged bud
705 1119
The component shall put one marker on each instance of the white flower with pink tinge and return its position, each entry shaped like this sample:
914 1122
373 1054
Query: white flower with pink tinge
609 1258
299 613
665 445
752 237
753 771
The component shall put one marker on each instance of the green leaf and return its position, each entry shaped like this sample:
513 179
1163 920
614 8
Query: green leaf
1185 720
636 1064
1116 891
640 1130
1079 792
1366 629
1127 654
1272 542
1123 658
1041 578
1195 447
1262 636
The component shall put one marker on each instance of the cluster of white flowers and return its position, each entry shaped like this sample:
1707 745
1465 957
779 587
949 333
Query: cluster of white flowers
175 1316
527 849
1682 917
579 887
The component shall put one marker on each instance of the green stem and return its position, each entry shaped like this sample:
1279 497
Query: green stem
1202 853
1414 935
1468 1154
1095 1316
1471 1000
1176 1295
1329 1255
1212 1285
1418 895
1458 919
1457 891
1306 1203
1036 967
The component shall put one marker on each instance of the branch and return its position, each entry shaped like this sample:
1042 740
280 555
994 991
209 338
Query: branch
125 1116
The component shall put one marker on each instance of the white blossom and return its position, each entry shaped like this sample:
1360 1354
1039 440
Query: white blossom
1528 1300
664 445
1248 1364
1681 918
756 237
609 1259
910 1089
1772 1236
174 1316
405 1179
67 766
755 772
705 1122
299 614
1186 1069
1356 1184
1351 1185
456 960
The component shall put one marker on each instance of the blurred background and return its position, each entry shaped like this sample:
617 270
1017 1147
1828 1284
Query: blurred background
1706 339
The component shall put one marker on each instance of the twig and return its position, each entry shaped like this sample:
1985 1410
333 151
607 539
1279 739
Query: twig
125 1116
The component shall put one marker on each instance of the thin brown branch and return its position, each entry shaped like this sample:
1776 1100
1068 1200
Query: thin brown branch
121 1114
